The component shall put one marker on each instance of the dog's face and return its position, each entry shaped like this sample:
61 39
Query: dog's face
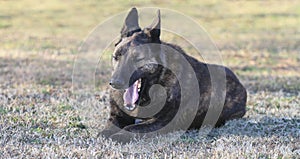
135 60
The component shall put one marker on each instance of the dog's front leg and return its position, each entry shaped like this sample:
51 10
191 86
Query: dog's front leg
117 121
116 124
111 128
148 128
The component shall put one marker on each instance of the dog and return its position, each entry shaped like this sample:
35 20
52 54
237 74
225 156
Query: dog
142 61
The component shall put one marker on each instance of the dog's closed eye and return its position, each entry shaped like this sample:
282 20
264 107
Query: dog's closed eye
139 58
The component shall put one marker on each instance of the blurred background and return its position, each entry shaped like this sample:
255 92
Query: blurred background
256 38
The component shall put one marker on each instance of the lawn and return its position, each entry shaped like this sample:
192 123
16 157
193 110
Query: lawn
40 116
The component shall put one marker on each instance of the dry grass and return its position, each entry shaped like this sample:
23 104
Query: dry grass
48 122
41 118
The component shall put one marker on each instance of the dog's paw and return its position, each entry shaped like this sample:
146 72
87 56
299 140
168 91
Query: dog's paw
122 137
106 133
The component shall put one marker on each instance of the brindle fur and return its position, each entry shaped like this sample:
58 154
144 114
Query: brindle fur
235 100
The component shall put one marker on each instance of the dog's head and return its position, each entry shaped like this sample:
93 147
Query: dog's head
136 59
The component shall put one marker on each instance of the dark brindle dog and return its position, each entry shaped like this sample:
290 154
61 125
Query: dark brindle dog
139 60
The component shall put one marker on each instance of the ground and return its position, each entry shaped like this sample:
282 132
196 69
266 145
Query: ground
41 117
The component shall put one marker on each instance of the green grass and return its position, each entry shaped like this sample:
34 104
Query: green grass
56 24
40 117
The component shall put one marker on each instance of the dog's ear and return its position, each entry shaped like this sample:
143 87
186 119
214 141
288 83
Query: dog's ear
131 24
154 28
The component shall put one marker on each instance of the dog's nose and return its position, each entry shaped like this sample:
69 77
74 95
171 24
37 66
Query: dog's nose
117 84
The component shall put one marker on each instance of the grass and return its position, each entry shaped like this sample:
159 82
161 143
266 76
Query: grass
40 117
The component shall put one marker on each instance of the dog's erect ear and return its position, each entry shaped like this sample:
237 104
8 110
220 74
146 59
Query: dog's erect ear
154 28
131 24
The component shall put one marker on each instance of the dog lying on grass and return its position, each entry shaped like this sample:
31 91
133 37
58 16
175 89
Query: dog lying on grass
142 61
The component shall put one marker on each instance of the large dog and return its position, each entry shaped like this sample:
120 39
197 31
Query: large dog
142 62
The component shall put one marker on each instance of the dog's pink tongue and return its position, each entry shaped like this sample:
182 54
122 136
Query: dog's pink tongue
131 94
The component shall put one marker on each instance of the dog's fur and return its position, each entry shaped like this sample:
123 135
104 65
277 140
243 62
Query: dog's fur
123 57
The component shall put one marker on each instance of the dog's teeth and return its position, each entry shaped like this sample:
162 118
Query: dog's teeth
130 107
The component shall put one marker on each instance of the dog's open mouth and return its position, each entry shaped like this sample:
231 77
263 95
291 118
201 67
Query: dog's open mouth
132 94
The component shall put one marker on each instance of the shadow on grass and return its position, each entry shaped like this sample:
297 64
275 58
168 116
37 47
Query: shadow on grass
285 130
262 127
42 70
